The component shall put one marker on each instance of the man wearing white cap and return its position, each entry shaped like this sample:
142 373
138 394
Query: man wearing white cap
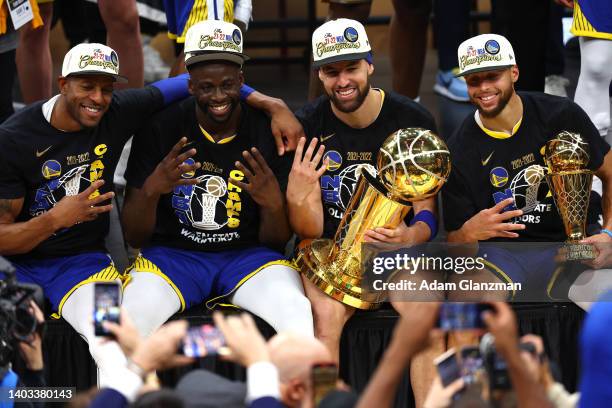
57 159
204 200
351 122
497 190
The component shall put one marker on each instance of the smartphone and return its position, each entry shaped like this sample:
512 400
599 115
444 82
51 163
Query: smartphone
324 378
458 316
448 367
106 305
471 363
205 340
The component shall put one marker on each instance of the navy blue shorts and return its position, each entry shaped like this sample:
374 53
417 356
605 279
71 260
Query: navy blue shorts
59 277
197 276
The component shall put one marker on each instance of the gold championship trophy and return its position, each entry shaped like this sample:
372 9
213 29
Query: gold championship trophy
412 165
567 156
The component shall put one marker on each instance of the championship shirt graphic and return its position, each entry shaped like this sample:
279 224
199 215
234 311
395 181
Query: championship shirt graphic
209 205
337 189
58 186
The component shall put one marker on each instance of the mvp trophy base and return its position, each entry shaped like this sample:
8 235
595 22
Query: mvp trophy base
318 266
579 252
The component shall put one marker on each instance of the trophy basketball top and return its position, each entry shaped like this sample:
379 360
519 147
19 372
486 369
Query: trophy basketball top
566 152
413 164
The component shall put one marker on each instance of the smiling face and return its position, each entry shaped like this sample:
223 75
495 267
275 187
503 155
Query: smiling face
347 83
216 87
87 97
490 91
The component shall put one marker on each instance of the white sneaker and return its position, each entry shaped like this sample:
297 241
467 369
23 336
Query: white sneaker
555 85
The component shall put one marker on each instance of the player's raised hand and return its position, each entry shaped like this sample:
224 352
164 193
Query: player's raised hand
304 176
168 173
82 207
262 183
493 223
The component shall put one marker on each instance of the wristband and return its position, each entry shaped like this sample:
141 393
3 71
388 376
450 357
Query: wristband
245 91
607 231
428 218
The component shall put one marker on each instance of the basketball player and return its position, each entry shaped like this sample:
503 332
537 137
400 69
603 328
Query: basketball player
496 191
351 121
407 36
181 15
210 215
592 23
34 63
57 159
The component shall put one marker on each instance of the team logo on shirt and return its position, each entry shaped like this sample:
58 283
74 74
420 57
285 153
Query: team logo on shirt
50 193
498 177
189 174
338 189
51 169
334 160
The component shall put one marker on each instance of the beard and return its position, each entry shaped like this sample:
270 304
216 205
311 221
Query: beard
504 98
350 106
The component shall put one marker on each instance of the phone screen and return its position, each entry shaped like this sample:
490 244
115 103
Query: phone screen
448 367
205 340
471 363
106 305
457 316
324 378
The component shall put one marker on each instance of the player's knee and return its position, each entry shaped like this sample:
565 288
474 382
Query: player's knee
597 70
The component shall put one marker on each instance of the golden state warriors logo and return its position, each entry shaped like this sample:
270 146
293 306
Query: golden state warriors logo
334 160
351 34
492 47
498 177
236 37
51 169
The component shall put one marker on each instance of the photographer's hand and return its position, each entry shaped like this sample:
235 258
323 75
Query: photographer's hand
440 396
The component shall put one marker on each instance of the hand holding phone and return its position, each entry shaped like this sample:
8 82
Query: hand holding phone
106 306
205 340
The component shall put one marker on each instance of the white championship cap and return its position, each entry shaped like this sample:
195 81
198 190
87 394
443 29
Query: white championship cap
339 40
214 40
90 59
485 52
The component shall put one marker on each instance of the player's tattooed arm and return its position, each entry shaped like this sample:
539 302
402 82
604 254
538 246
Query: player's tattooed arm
304 202
22 237
140 207
264 189
286 129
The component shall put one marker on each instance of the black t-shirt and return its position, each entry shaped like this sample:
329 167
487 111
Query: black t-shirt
42 164
214 214
487 170
348 149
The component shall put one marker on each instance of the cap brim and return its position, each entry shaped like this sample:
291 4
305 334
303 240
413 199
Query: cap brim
338 58
483 69
234 57
118 78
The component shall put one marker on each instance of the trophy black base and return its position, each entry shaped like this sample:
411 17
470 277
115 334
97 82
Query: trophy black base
315 263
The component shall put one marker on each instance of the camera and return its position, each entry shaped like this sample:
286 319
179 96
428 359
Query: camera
16 321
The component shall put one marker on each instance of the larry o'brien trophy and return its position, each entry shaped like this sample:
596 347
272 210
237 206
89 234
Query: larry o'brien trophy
412 165
567 156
